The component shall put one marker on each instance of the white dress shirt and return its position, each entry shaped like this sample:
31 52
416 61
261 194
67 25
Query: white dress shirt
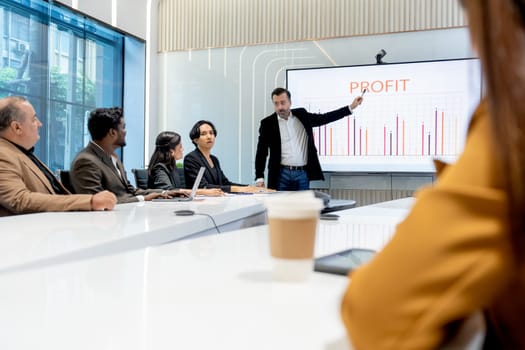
293 141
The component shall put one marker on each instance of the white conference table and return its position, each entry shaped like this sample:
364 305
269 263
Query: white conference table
212 292
38 239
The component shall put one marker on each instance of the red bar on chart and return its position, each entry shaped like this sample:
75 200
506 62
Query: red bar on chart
366 142
384 140
436 132
423 139
428 143
397 135
442 132
354 136
360 142
331 153
348 139
325 148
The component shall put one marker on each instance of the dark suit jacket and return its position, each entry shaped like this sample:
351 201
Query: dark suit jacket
162 178
270 139
193 162
93 171
25 189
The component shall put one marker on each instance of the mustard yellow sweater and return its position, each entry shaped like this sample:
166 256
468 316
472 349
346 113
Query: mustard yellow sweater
447 259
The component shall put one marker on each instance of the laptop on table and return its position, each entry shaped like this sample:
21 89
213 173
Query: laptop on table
192 194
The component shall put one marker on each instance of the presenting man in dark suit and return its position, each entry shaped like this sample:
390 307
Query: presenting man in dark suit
98 168
288 135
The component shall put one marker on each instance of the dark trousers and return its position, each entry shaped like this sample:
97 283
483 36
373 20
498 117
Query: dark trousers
293 180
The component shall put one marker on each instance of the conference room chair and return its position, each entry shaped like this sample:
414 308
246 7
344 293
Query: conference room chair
141 178
65 178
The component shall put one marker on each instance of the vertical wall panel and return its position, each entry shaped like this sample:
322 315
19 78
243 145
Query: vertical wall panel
202 24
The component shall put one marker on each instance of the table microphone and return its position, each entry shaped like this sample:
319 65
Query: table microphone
184 212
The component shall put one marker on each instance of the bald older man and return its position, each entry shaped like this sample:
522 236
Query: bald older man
26 184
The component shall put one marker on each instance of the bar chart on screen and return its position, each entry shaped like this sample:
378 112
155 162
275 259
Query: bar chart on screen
412 113
388 129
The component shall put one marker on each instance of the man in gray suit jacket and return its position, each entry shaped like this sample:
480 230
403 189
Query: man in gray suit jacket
97 167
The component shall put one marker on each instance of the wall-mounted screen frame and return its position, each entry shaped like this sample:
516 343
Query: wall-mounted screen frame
412 112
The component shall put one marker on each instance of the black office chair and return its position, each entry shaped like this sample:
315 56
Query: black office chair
65 178
141 178
182 179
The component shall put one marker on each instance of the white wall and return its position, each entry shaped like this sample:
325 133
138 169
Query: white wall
231 86
130 15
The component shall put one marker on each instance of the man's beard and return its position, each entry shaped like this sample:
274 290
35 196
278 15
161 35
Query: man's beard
284 114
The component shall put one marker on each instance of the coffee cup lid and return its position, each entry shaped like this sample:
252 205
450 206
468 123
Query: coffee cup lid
294 204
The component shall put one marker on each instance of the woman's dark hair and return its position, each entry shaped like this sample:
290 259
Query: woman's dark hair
165 142
497 29
195 131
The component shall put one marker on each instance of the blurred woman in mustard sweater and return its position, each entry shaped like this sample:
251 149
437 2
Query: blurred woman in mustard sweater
462 248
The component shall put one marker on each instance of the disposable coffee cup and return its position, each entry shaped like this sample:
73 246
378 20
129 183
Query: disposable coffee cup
293 218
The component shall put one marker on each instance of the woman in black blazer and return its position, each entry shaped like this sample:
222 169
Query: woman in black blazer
163 172
203 136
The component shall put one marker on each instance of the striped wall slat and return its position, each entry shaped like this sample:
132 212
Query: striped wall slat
200 24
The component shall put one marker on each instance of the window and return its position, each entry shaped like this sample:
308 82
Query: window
65 64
